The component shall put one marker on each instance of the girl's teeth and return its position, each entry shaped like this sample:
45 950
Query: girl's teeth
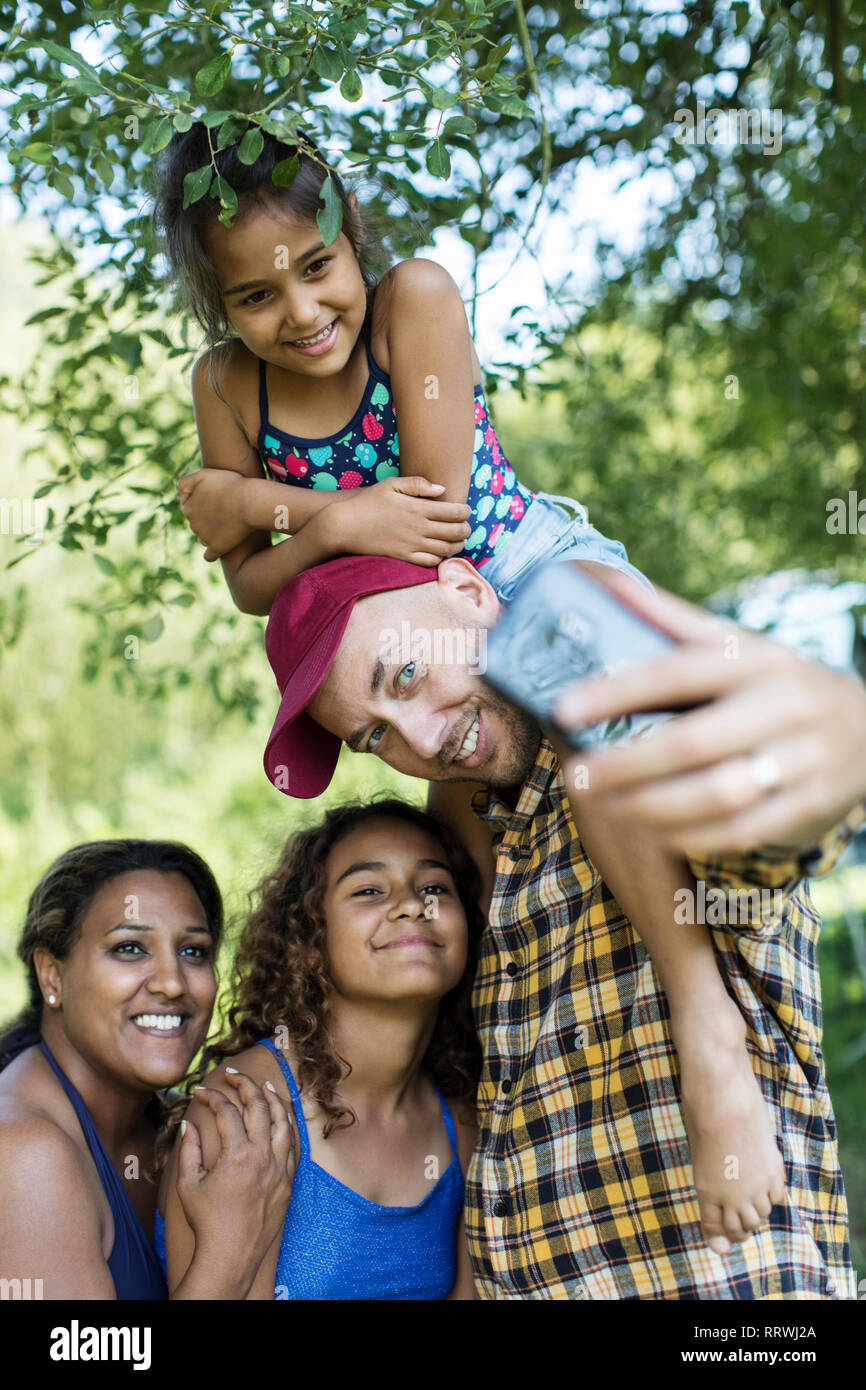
162 1021
320 337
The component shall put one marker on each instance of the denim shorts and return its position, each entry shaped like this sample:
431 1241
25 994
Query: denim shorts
553 528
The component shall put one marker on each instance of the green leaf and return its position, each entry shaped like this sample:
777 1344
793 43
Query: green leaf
251 146
230 132
351 87
59 179
284 172
183 120
441 101
330 217
44 314
510 105
157 136
196 184
102 562
213 76
153 628
459 125
66 55
105 169
39 152
277 64
226 194
84 86
493 61
438 160
214 118
326 63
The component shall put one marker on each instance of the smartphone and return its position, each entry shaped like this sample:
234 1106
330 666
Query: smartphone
560 626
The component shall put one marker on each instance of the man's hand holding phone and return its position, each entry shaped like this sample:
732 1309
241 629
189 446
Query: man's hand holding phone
773 754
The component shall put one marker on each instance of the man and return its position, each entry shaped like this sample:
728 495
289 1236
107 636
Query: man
580 1186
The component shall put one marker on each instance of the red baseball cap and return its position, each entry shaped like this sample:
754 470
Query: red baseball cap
307 622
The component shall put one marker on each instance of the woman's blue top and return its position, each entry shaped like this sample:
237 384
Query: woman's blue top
133 1263
338 1245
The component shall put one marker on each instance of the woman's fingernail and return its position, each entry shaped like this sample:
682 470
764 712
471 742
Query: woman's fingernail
269 1086
182 1128
199 1088
233 1071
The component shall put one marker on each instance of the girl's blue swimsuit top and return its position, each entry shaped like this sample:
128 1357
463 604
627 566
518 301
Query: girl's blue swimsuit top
338 1245
133 1263
366 451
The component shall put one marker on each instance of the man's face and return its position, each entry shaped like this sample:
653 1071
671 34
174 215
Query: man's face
431 718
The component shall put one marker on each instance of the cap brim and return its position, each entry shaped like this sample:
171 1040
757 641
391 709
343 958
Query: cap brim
300 755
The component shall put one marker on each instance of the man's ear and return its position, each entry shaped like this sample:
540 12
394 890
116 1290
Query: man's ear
461 585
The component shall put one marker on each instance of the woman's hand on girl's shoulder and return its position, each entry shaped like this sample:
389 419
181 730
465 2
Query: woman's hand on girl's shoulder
238 1153
229 1184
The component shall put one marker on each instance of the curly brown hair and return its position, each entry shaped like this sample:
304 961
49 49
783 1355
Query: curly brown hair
281 979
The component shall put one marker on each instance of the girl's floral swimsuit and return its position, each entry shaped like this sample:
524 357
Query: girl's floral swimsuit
366 450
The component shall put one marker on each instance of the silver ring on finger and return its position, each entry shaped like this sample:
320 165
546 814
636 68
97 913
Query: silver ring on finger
766 771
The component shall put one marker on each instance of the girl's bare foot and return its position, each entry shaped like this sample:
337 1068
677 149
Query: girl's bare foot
739 1172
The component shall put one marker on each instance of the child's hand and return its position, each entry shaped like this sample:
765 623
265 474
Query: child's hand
400 518
211 503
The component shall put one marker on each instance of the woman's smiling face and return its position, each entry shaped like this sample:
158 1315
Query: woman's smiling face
280 284
396 929
137 988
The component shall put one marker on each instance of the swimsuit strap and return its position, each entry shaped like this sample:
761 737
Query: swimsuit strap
299 1114
372 365
263 392
371 361
295 1093
133 1264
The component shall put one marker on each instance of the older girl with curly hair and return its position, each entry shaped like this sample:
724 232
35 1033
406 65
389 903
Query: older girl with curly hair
351 999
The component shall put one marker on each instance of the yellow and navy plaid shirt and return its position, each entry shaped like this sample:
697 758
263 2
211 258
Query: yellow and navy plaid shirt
581 1184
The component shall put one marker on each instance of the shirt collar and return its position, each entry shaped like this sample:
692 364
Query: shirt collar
489 805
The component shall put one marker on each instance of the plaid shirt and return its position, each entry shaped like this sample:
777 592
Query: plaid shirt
581 1184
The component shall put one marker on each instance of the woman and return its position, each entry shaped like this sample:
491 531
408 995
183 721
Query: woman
119 945
352 998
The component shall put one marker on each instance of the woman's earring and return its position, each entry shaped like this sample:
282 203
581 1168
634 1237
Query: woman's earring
52 998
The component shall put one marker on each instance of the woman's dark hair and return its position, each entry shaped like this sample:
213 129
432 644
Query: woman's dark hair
281 976
60 902
180 230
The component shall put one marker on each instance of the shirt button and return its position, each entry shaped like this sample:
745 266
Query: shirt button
506 1085
511 968
514 853
500 1207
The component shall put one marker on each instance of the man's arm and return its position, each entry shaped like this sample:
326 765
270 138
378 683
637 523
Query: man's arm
773 754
